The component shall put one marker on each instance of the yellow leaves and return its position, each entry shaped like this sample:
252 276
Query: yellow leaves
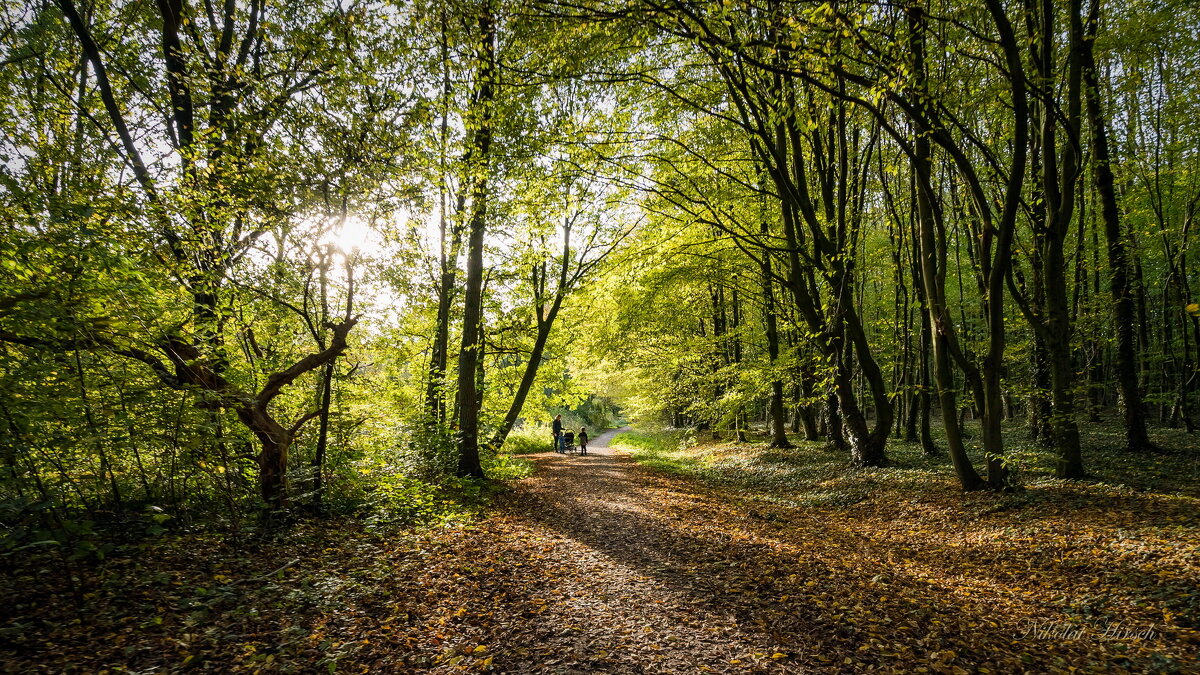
1193 309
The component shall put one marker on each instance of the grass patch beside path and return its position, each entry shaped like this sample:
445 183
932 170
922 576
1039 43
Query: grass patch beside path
1123 547
528 440
669 451
815 469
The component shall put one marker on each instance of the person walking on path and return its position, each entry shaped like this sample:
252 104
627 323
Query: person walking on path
557 428
583 439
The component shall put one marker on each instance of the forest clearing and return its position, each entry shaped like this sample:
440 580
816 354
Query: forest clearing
880 322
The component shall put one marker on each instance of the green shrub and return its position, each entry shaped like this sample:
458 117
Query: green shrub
528 439
399 500
431 452
660 449
506 467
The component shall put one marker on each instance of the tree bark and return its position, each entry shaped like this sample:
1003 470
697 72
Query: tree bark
435 388
932 266
1059 179
779 437
1132 410
468 361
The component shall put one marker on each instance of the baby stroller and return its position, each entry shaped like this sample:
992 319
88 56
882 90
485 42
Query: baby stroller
569 443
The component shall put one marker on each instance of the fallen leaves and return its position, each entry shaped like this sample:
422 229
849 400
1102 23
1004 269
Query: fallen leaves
597 565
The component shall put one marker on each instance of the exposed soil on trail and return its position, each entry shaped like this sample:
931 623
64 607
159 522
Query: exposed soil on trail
612 571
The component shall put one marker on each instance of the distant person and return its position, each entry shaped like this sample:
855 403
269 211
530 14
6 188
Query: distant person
583 439
557 428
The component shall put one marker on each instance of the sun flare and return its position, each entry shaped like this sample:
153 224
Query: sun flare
352 235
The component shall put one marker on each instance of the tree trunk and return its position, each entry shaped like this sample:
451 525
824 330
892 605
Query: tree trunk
529 376
1133 412
1039 401
928 446
318 462
797 407
932 266
778 423
806 413
468 361
1060 180
435 390
274 443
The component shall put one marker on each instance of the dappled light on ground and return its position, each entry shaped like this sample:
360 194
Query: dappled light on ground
596 564
607 567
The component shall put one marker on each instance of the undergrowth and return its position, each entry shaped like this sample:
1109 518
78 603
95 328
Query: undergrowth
1136 515
528 440
815 473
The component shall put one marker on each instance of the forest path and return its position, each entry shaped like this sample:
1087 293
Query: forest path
596 565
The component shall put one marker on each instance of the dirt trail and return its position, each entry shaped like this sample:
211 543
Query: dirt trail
597 565
623 558
594 565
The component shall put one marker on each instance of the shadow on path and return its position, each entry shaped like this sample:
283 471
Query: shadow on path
713 585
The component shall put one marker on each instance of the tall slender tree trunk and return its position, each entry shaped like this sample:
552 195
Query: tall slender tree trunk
544 319
928 446
528 377
1133 412
807 412
435 388
480 125
1060 173
324 389
942 328
933 266
318 461
1039 400
718 357
779 437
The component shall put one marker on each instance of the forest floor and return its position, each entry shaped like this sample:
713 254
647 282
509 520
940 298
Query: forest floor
600 564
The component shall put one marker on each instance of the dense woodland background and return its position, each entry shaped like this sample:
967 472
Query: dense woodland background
260 260
254 253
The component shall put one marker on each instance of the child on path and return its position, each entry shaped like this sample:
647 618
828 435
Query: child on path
583 439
